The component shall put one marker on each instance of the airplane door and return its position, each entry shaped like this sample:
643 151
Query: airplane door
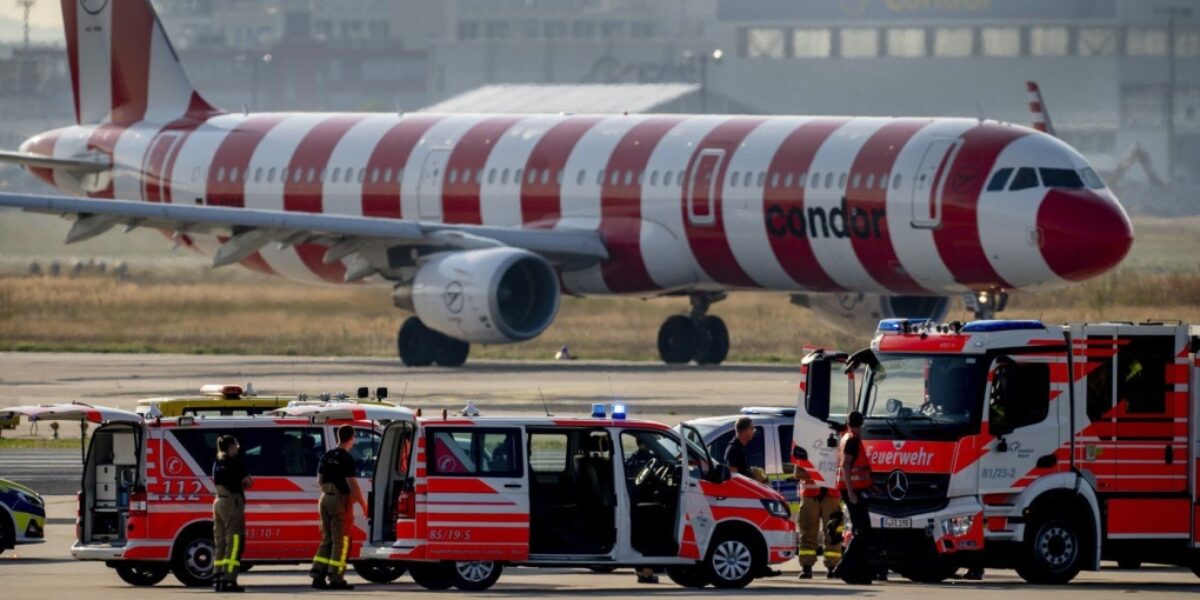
155 179
927 184
429 188
702 187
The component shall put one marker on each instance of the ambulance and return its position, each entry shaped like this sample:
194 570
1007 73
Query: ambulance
457 499
1013 444
145 504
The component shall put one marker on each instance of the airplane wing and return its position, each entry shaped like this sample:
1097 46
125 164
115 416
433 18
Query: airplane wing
365 240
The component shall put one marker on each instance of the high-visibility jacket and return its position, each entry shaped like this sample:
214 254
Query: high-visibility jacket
810 489
860 471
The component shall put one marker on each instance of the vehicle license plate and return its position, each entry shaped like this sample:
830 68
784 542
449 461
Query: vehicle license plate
889 523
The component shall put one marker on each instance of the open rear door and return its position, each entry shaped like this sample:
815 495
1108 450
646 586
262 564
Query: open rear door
826 390
72 412
394 476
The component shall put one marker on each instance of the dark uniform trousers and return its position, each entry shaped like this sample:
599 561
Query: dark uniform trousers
337 521
857 564
229 533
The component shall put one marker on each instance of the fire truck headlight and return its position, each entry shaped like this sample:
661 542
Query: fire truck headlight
777 508
958 526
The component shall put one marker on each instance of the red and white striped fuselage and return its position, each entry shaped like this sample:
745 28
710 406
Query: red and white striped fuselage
821 204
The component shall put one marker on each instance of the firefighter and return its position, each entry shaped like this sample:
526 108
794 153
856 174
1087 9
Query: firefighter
339 493
854 484
229 514
820 516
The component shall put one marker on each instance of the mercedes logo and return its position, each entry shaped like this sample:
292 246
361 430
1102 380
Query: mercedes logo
897 485
93 6
453 297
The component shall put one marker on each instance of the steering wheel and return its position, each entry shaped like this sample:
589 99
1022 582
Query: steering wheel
644 476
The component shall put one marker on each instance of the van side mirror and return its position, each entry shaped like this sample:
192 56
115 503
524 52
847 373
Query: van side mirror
816 390
719 473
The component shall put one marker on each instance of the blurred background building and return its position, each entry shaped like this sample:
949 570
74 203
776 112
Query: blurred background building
1121 77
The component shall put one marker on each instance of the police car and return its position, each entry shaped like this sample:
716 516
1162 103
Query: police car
22 516
773 428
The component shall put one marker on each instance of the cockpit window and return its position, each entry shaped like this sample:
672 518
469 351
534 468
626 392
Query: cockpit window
1026 178
1091 179
999 179
1061 178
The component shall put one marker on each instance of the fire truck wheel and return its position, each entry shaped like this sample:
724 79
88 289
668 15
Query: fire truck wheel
936 572
677 340
142 574
688 577
433 576
731 562
1054 553
713 341
476 575
379 571
414 343
192 558
451 352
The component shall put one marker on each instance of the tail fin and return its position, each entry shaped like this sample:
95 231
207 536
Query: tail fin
123 68
1041 116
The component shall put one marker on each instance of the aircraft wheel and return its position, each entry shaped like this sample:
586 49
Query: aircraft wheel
677 340
451 352
713 341
416 343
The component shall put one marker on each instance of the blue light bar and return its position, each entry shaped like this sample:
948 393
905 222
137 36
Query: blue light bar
618 412
999 325
897 325
598 411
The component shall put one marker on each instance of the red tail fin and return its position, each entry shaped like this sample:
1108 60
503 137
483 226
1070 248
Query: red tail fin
1041 116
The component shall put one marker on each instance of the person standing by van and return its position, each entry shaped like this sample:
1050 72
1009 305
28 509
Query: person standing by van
229 514
854 484
339 493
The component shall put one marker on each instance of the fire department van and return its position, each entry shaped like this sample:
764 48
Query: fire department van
457 499
1013 444
145 507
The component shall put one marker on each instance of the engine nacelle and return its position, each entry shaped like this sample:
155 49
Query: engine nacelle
859 314
489 296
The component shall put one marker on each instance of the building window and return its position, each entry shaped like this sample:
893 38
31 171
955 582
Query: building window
906 42
641 30
497 30
1095 42
953 42
554 30
584 30
1146 42
764 43
611 30
859 43
527 29
1048 41
1001 41
812 43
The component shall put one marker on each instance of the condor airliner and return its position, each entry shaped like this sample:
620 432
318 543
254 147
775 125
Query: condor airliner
479 223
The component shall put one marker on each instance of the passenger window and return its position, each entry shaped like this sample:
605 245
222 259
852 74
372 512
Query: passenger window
504 176
758 182
787 180
828 180
775 180
337 173
999 180
1020 395
895 181
1142 372
494 452
638 447
580 177
1026 178
600 177
735 178
365 451
1061 178
491 175
293 452
517 176
654 178
547 452
453 178
842 181
816 180
546 176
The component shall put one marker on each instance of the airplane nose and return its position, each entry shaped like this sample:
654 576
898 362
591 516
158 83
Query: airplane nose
1083 233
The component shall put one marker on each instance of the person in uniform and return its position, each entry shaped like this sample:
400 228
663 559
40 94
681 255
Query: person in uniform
339 493
820 516
736 457
229 514
854 484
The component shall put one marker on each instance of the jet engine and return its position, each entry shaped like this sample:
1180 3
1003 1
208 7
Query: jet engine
488 296
859 314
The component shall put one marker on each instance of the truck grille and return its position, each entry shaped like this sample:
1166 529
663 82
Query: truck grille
924 493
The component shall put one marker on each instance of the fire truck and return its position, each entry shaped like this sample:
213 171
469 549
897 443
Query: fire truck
145 503
456 499
1013 444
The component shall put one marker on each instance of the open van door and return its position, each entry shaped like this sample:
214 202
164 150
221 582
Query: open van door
826 395
74 411
393 499
695 516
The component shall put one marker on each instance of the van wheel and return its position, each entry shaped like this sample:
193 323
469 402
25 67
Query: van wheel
379 571
731 563
688 577
142 574
433 576
192 560
476 575
1054 553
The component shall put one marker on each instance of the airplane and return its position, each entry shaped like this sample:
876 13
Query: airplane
479 223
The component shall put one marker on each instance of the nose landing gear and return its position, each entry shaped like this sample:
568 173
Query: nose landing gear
695 336
986 304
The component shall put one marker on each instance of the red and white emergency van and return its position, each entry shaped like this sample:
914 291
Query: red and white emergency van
457 499
145 505
1013 444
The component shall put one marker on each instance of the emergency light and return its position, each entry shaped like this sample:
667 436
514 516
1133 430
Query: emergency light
598 411
618 412
998 325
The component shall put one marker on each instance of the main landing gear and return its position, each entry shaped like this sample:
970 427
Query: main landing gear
986 304
695 336
420 346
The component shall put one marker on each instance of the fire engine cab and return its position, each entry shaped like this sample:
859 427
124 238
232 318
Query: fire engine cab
1013 444
456 499
145 505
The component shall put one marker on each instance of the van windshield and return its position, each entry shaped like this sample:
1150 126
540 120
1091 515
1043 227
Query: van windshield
927 397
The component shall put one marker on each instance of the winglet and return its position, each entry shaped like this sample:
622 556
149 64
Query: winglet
1041 116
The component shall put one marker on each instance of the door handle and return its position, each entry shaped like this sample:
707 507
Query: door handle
513 486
